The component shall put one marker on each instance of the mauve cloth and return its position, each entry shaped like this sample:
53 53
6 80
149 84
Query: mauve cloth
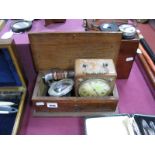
39 26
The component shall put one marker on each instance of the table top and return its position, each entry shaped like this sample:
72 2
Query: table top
71 25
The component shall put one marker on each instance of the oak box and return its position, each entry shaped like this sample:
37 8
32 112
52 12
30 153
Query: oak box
60 50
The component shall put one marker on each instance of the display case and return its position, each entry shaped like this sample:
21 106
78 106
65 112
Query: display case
12 89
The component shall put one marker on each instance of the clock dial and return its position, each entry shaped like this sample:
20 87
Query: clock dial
94 88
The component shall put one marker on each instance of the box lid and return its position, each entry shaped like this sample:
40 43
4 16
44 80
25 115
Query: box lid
94 66
10 72
61 49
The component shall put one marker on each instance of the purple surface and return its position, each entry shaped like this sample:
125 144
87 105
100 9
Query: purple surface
135 95
51 125
38 26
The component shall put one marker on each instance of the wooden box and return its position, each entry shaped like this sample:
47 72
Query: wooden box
12 88
60 50
128 47
94 69
51 21
126 57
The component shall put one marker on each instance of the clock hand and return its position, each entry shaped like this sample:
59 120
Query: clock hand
94 90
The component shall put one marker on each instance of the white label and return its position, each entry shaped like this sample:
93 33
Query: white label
52 105
40 103
139 51
129 59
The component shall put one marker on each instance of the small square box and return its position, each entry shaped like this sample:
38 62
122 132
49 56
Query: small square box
94 69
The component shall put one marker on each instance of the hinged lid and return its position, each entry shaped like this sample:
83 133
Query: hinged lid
94 66
10 72
61 49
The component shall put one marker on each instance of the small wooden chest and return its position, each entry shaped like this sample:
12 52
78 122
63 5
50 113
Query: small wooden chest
60 50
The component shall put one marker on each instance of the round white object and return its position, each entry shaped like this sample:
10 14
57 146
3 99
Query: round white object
127 30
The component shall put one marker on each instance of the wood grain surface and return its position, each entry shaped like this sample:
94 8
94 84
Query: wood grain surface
59 50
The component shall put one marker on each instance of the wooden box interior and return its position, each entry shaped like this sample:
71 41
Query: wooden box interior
73 103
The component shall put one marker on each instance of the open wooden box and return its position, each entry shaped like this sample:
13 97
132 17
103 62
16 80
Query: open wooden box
60 50
11 81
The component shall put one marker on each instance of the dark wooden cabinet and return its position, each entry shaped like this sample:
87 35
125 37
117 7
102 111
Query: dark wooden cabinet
126 57
51 21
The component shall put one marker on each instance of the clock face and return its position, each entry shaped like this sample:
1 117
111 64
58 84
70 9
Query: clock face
94 88
127 29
